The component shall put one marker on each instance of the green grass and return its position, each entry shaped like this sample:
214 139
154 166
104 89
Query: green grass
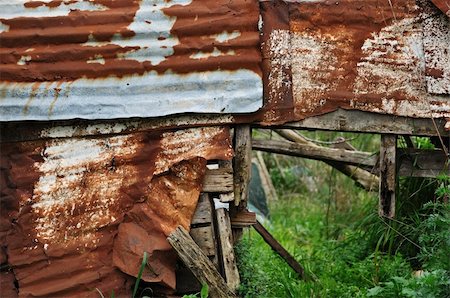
334 231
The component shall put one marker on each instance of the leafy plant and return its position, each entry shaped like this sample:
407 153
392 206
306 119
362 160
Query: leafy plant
139 276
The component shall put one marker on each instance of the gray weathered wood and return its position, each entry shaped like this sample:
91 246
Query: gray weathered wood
203 213
226 247
242 163
316 152
226 197
218 180
362 177
422 163
199 264
358 121
204 238
388 175
243 219
266 180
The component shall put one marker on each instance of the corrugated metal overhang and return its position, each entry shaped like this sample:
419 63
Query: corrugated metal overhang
106 59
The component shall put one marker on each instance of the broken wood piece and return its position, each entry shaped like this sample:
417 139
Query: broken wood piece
280 250
226 197
199 264
226 247
316 152
362 177
242 164
388 176
218 180
243 219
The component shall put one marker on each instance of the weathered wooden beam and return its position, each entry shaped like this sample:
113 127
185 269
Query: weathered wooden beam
365 179
280 250
243 219
203 213
199 264
225 236
388 175
316 152
242 163
362 177
358 121
218 180
422 163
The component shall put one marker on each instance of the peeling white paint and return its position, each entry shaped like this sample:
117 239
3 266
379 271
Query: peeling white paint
70 179
313 60
225 36
182 144
15 9
23 60
215 53
3 27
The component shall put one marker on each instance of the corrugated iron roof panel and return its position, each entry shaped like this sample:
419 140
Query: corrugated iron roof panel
105 59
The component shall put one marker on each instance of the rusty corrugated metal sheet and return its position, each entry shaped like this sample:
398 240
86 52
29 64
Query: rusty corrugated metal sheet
388 57
363 56
78 213
106 59
443 5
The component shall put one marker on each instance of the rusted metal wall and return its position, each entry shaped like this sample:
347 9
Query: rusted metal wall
106 59
118 59
388 57
78 213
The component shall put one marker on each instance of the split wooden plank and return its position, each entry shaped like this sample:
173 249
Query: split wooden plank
218 180
242 164
199 264
359 121
388 175
225 236
280 250
316 152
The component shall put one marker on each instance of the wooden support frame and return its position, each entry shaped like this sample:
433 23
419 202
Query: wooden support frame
199 264
388 175
242 164
280 250
228 258
364 178
316 152
366 122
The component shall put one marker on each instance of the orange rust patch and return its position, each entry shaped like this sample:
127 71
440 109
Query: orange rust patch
64 201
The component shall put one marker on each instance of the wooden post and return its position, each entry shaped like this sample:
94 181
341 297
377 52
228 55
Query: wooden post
280 250
388 175
225 236
199 264
242 164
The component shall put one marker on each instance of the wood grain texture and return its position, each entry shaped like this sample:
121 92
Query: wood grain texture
199 264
